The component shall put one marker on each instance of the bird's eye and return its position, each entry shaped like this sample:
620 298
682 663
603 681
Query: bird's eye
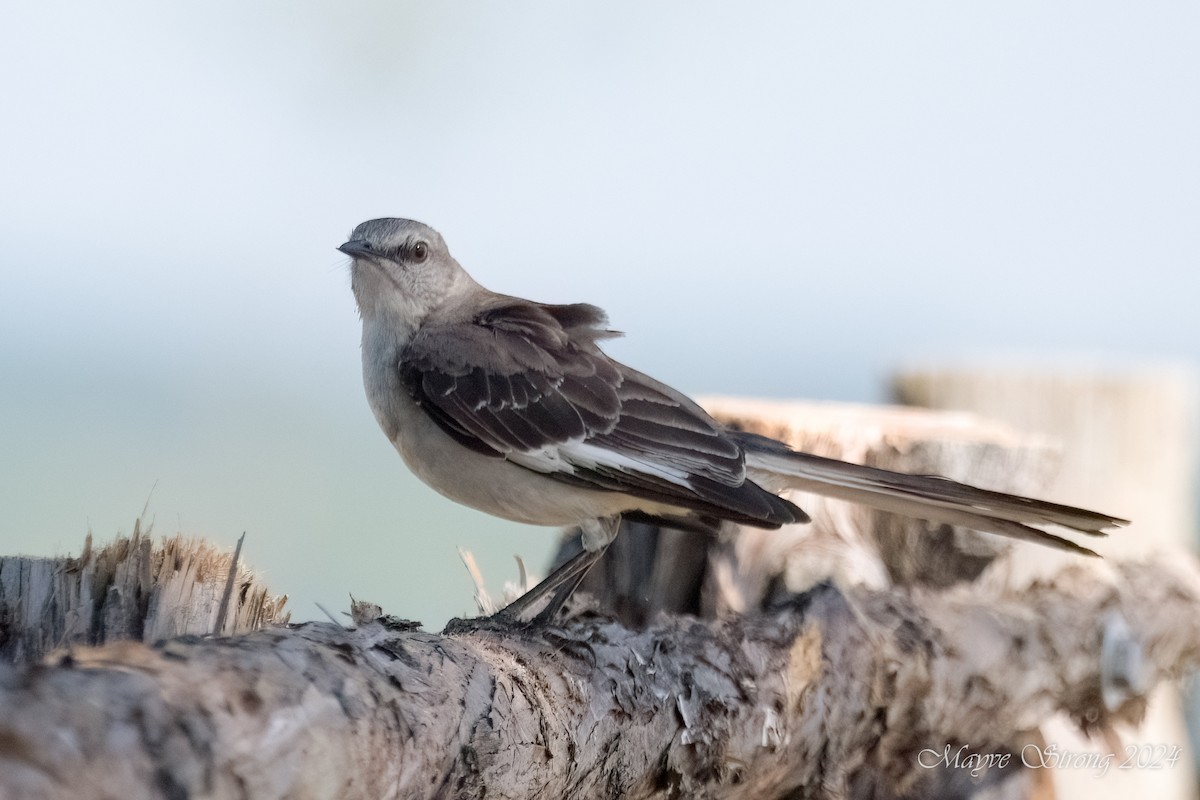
420 252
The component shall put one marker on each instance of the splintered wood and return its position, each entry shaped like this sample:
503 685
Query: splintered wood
133 588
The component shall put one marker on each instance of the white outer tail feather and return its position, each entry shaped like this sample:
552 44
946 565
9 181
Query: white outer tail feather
928 497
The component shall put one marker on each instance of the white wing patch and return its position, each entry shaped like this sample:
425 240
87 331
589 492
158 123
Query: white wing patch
577 453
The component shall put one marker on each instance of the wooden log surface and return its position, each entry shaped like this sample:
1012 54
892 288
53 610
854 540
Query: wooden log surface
801 701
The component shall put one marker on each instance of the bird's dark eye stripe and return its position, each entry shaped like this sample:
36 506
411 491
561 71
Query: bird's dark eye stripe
408 251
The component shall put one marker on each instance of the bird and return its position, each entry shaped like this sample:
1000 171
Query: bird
513 408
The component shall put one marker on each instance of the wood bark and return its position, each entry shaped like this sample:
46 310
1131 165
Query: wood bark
792 702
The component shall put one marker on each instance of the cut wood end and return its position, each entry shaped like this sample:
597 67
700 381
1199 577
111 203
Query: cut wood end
815 417
88 599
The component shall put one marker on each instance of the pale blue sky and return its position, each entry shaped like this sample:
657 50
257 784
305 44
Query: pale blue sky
777 199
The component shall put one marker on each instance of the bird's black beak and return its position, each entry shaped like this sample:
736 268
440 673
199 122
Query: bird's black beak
358 248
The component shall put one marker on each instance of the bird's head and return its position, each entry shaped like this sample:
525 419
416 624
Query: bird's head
401 270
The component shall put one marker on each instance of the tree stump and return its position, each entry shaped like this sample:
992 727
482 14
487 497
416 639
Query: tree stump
130 589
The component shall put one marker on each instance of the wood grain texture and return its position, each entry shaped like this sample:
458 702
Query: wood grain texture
133 588
801 701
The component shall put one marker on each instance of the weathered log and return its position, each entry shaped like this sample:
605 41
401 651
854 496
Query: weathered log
790 702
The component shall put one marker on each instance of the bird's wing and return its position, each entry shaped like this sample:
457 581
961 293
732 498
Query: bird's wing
526 382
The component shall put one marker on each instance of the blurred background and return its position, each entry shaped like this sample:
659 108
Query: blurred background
771 199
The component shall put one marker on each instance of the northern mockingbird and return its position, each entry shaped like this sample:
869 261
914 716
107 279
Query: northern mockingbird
511 407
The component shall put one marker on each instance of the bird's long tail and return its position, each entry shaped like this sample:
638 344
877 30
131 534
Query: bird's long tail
931 497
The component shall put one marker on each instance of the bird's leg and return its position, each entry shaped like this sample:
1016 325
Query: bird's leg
565 574
597 535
